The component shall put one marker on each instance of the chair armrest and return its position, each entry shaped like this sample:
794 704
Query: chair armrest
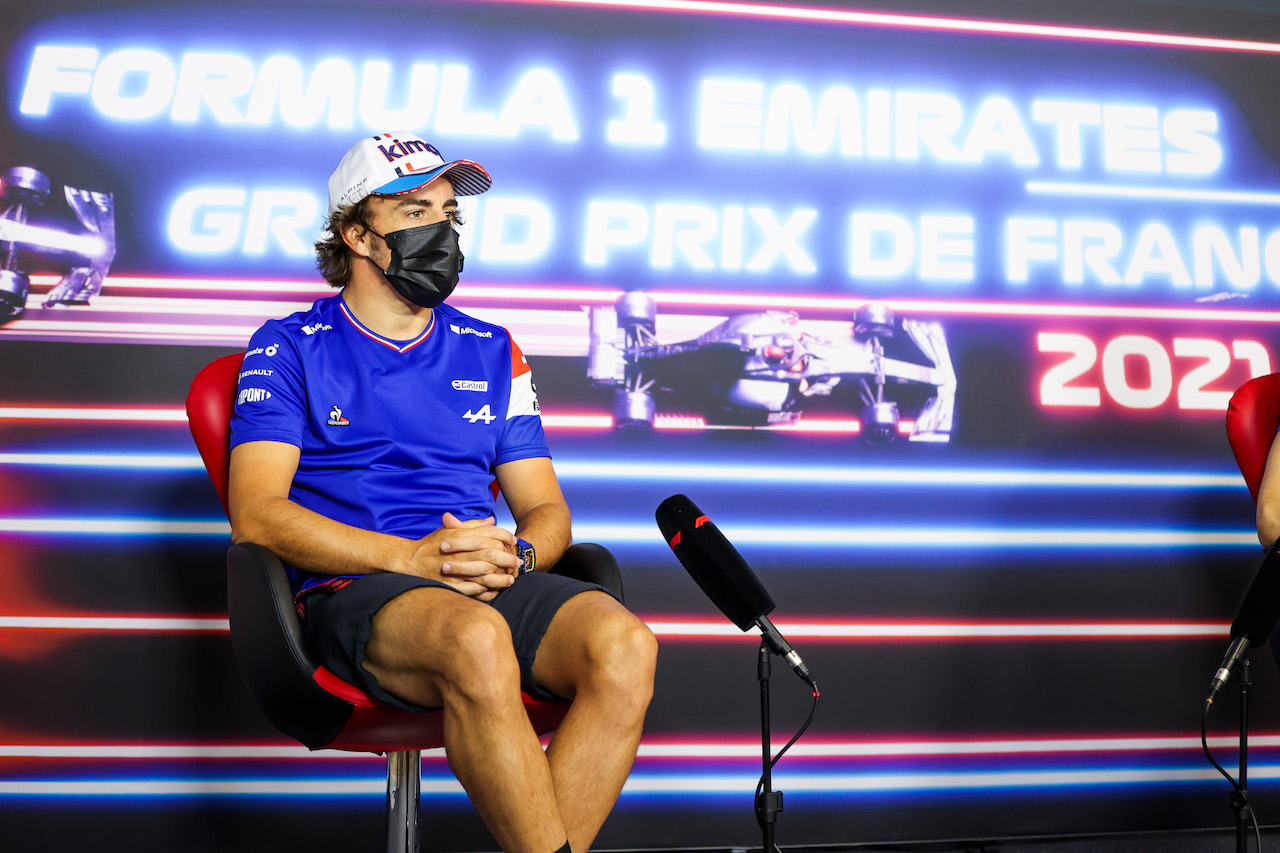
592 563
266 634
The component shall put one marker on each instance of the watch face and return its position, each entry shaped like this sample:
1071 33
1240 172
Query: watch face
527 554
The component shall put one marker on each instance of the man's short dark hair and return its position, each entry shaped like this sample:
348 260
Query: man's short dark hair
333 258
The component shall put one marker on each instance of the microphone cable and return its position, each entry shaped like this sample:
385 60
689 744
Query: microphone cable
813 712
1244 796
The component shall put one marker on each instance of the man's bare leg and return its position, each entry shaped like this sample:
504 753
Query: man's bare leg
431 646
601 656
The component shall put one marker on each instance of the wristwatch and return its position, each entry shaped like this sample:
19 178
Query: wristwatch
525 552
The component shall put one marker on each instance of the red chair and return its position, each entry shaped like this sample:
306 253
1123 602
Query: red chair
1253 416
301 698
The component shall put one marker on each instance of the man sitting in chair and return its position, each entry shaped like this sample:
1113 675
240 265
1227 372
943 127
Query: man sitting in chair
367 434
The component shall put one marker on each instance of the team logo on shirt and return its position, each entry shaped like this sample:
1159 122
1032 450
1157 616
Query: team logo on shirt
467 330
336 418
483 415
252 395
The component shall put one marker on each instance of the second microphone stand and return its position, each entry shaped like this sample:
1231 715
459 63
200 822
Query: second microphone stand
768 801
1240 794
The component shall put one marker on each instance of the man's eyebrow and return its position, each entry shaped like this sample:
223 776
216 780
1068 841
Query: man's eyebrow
414 202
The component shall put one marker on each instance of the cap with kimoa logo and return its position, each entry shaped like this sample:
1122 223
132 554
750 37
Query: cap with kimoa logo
398 163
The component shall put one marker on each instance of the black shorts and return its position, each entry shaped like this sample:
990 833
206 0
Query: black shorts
338 623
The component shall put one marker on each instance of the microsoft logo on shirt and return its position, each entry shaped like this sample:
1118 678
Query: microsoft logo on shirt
469 331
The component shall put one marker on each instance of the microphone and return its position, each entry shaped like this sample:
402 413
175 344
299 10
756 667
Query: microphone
1256 619
723 575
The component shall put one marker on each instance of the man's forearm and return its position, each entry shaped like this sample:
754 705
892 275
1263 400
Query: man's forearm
311 541
547 528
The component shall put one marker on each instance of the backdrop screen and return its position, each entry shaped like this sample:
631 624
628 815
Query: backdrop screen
936 317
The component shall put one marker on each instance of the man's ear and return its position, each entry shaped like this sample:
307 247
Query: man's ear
356 236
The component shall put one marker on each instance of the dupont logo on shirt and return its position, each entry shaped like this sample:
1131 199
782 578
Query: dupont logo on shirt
253 395
467 330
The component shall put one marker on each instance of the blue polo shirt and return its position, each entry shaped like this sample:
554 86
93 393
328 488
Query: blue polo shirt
392 434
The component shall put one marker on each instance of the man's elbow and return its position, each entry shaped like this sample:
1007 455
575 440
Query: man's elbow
246 522
240 531
1268 520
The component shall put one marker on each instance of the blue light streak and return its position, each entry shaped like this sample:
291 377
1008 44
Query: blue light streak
649 471
930 537
714 786
1161 193
926 537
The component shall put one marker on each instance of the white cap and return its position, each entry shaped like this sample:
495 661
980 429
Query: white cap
398 163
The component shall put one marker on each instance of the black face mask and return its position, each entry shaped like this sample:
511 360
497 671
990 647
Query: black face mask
425 262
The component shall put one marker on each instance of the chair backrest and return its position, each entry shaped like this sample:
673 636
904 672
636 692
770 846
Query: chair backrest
209 404
1253 416
266 632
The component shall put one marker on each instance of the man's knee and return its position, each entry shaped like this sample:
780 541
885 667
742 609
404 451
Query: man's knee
464 644
479 660
622 656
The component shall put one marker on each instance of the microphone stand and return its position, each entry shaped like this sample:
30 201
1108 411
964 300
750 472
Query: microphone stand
768 802
1240 796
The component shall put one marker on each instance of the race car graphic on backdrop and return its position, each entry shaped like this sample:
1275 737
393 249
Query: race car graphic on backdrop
765 369
83 258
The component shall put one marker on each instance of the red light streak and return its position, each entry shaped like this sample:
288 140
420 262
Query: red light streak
584 421
695 629
923 22
693 746
728 301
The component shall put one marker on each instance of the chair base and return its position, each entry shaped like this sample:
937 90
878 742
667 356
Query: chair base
404 790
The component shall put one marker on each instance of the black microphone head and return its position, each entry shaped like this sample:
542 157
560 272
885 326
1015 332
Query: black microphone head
1259 612
712 562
